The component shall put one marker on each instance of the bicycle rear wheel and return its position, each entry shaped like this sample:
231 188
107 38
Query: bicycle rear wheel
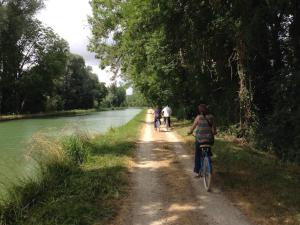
157 124
206 173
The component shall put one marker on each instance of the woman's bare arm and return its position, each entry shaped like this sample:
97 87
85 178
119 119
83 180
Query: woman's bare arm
194 125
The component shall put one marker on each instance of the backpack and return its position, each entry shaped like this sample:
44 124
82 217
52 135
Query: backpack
204 133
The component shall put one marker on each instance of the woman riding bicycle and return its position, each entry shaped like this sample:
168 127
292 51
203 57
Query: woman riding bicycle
205 131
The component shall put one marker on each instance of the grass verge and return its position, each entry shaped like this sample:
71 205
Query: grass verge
81 180
266 189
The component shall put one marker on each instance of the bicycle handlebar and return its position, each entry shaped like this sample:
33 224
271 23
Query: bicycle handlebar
191 134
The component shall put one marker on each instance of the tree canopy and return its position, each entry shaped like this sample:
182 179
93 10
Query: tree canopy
37 71
116 96
240 57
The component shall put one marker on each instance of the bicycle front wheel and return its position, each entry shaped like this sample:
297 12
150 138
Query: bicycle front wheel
206 173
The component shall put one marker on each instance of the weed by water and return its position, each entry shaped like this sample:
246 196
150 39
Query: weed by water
53 165
76 147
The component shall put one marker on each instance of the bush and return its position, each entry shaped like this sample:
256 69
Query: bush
76 147
53 166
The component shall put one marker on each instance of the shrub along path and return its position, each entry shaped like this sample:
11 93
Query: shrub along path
165 191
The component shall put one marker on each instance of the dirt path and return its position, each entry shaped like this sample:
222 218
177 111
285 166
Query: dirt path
165 190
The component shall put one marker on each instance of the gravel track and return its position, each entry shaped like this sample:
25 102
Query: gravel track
164 190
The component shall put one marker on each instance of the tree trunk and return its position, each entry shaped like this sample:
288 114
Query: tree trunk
244 92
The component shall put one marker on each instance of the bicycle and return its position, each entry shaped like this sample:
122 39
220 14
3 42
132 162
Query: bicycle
157 124
206 166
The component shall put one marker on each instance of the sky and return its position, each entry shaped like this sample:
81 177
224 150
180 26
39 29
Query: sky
69 19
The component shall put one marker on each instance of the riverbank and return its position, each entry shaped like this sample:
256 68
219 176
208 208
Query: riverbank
81 184
49 114
58 113
264 188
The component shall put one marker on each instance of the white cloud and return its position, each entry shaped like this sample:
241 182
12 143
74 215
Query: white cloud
68 18
103 75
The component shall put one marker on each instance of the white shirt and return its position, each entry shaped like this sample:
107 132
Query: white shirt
167 111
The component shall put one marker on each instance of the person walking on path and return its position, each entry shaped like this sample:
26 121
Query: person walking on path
204 124
167 111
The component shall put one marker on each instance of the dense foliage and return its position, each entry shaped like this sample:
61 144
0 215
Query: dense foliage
116 97
80 87
137 99
37 71
241 57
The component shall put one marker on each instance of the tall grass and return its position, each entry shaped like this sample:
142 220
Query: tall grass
76 147
55 160
79 180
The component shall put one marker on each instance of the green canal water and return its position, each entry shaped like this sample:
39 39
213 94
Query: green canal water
15 136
